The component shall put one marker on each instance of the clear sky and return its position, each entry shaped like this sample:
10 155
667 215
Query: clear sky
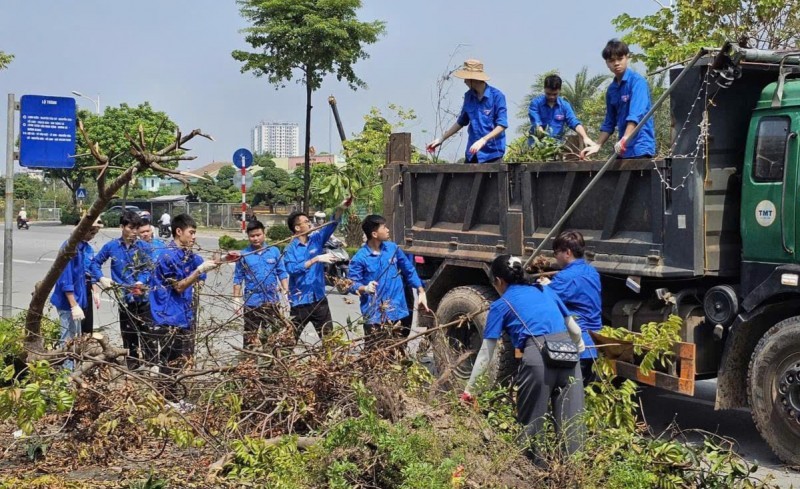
177 55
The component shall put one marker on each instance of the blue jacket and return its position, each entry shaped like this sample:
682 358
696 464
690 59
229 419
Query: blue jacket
552 119
578 286
72 279
482 116
168 307
129 264
541 312
389 267
307 285
261 272
628 101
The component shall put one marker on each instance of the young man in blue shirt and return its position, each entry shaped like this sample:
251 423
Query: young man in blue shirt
131 263
69 295
551 114
485 113
305 261
146 233
170 341
264 276
578 287
378 271
627 101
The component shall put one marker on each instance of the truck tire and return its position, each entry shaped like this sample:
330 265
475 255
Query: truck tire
773 389
453 342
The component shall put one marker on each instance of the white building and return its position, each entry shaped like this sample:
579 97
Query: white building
281 139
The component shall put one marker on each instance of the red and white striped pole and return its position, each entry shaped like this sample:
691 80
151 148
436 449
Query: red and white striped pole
244 201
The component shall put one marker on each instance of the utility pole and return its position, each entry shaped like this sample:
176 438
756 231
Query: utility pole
8 243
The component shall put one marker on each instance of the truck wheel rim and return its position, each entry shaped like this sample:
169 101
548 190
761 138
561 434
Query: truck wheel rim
788 398
462 339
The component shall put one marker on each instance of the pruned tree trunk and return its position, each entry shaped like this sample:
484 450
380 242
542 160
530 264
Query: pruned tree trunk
146 159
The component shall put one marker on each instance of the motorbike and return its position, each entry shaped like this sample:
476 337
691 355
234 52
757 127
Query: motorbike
336 272
164 231
22 223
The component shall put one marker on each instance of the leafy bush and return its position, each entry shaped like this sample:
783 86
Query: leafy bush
70 216
230 243
543 149
278 232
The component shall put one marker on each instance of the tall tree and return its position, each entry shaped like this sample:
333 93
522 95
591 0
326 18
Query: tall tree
111 130
678 29
312 37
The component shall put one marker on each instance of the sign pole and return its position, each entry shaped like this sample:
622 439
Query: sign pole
8 243
244 191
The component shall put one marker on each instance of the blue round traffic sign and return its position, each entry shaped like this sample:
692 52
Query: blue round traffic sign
242 158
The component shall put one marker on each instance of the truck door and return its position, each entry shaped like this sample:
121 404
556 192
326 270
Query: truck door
769 194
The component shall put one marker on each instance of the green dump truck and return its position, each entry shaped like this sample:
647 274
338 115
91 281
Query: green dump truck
711 233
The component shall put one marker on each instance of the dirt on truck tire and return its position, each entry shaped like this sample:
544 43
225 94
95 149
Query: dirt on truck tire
449 345
773 388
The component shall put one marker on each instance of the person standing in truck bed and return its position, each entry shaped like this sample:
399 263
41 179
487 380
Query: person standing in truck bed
551 114
627 102
485 113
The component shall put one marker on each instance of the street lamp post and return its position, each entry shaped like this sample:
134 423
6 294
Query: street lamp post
96 101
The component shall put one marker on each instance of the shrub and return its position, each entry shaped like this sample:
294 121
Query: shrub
278 232
230 243
70 216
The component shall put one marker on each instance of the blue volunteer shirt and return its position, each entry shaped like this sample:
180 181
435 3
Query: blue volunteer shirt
628 100
481 117
554 120
129 264
72 279
168 307
541 310
92 272
260 271
157 246
578 286
307 285
390 267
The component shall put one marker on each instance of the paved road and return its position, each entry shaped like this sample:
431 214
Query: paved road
35 249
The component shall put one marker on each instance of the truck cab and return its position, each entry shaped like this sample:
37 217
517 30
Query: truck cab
707 232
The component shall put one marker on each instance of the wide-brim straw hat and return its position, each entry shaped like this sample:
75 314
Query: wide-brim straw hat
472 70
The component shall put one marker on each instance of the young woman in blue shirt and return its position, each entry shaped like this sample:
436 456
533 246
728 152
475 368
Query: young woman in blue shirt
526 311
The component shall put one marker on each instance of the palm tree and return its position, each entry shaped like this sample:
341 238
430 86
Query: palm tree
582 89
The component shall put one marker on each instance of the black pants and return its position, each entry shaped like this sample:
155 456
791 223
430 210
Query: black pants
374 333
586 371
546 391
265 318
87 325
317 313
171 349
134 318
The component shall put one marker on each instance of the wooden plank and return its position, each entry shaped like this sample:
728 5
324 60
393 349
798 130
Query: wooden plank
399 148
472 204
615 208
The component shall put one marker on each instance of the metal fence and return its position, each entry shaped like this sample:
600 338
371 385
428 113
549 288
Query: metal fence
215 215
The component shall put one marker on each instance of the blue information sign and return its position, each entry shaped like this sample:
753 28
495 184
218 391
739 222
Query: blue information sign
47 132
242 158
80 193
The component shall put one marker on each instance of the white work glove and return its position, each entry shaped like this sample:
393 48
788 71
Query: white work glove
543 281
575 333
77 313
422 301
589 150
105 282
431 147
326 258
621 146
476 146
589 143
207 266
371 287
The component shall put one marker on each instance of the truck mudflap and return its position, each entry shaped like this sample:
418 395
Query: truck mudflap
679 376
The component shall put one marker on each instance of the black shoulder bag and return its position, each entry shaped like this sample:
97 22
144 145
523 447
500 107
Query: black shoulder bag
556 353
